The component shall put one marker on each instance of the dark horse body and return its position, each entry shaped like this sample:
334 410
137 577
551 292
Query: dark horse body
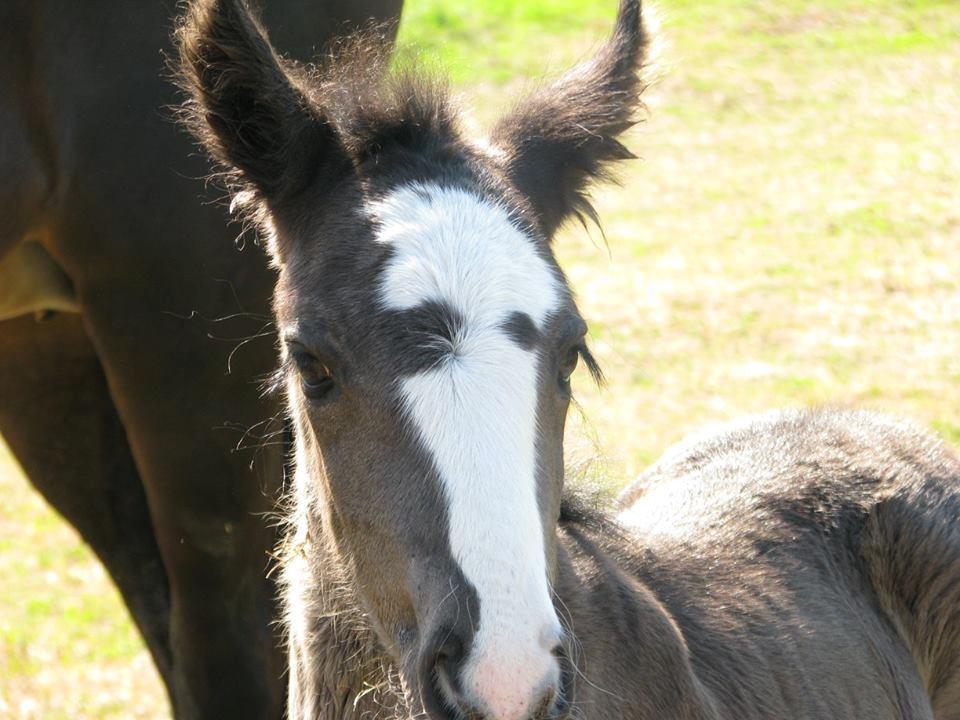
113 411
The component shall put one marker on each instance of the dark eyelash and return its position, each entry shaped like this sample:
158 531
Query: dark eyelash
596 372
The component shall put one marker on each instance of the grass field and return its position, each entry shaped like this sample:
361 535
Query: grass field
790 237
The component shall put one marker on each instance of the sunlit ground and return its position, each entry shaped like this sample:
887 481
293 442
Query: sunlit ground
790 237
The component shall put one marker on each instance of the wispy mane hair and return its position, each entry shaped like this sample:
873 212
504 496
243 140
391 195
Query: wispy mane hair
376 104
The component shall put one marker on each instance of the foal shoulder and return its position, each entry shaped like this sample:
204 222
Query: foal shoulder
841 521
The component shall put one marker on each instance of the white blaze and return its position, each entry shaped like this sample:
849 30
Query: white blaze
476 414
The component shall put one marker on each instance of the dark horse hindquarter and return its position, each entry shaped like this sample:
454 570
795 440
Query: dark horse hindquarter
114 413
811 561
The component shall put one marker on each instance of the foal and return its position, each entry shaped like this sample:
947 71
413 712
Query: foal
427 342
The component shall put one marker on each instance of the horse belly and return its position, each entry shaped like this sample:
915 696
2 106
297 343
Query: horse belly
31 281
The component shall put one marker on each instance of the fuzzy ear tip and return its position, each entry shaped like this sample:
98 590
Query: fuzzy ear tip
211 20
631 29
630 11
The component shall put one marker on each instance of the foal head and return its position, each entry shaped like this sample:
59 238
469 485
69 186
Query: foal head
427 335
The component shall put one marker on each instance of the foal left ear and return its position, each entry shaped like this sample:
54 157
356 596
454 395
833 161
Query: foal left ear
249 108
564 136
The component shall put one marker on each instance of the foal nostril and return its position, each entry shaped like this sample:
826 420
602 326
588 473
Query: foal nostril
449 656
543 709
439 677
508 681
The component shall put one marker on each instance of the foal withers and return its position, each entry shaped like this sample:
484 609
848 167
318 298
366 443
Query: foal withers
428 338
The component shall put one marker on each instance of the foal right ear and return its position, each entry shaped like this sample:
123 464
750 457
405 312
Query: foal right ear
566 135
246 108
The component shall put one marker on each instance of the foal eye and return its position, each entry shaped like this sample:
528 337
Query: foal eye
316 382
316 378
568 365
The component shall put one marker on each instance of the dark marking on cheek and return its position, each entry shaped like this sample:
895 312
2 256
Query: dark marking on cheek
521 329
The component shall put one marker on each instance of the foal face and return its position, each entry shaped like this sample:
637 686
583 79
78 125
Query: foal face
427 335
429 342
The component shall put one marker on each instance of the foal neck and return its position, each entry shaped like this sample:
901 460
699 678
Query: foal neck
629 657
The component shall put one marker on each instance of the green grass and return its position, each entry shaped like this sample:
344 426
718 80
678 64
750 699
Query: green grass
791 237
67 646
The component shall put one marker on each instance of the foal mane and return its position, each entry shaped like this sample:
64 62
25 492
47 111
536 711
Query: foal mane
586 507
376 104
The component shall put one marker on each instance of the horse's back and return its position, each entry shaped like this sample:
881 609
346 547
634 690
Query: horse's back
848 460
834 531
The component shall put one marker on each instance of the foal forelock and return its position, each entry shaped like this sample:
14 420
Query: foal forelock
474 408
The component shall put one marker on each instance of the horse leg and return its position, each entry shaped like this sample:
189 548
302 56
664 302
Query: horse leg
58 419
55 411
210 509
